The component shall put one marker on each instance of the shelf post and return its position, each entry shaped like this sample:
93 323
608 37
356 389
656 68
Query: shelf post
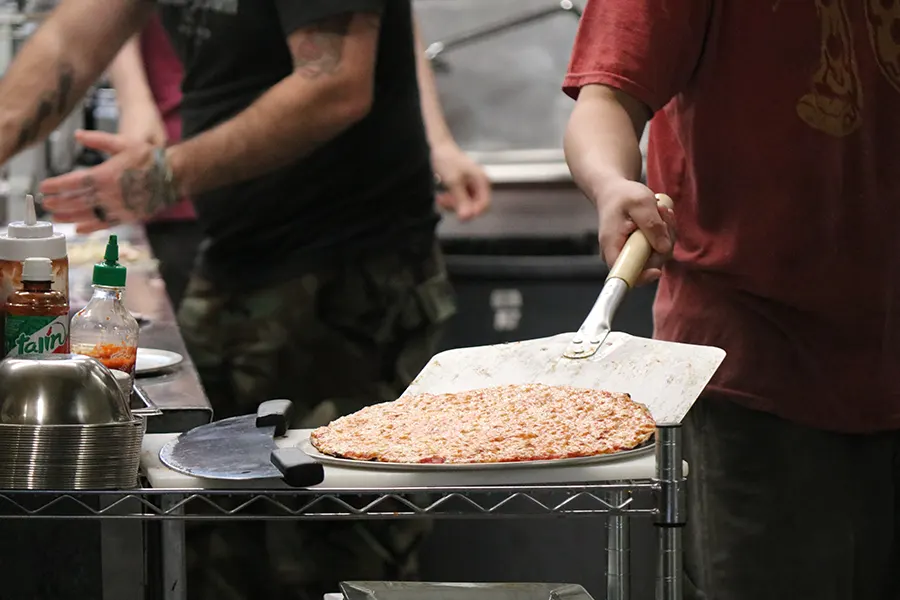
618 549
173 550
671 514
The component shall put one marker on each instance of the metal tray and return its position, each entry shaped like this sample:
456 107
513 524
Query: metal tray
402 590
141 404
307 447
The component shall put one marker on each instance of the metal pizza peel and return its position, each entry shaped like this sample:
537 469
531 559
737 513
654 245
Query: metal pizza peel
243 449
667 377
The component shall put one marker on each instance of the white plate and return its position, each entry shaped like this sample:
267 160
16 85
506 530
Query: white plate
150 361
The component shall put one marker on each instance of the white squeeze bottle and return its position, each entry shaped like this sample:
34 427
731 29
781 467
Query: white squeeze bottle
104 329
30 239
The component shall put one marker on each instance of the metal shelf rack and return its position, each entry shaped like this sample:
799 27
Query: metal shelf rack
336 504
661 498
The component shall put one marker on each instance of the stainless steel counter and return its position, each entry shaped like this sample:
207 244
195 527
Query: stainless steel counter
178 394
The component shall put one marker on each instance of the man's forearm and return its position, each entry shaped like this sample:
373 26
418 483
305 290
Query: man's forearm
602 141
285 124
58 64
37 92
432 113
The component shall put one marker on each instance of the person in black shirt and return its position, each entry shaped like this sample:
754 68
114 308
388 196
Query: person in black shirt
290 149
319 280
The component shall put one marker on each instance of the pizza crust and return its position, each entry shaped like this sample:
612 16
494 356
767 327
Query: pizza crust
511 423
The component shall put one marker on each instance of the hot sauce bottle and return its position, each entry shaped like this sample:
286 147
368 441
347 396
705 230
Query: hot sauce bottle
104 329
26 239
37 316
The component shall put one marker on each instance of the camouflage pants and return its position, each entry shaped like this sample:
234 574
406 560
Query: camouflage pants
332 341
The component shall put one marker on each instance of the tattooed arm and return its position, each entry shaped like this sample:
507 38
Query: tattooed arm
58 64
330 89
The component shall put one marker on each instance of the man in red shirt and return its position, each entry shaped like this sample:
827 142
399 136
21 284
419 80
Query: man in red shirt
776 129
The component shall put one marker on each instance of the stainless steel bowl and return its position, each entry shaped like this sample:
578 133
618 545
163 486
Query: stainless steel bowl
66 390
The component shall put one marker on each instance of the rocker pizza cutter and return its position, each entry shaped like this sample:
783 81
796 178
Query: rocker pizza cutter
242 449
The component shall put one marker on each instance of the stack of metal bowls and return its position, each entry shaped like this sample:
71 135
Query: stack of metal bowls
65 424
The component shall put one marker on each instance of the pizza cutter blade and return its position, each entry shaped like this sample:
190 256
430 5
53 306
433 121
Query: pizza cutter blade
667 377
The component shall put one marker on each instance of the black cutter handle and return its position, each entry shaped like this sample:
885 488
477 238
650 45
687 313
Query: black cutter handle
275 413
297 467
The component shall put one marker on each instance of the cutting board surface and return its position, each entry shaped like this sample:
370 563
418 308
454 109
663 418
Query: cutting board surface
162 477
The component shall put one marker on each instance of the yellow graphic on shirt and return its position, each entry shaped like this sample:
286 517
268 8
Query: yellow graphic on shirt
834 103
883 17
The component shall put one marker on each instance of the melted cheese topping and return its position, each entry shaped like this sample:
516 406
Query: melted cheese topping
498 424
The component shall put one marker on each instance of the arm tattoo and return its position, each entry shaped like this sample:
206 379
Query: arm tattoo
32 127
66 83
146 191
137 190
318 49
53 101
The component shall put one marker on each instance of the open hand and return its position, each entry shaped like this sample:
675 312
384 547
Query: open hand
125 188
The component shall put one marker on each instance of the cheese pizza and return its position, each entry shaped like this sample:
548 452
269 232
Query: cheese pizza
510 423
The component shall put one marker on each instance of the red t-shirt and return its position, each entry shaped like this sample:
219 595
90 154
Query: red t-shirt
164 74
777 133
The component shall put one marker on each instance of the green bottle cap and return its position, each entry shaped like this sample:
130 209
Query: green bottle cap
110 273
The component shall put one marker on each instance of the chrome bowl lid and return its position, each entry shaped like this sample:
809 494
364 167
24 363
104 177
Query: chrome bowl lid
68 389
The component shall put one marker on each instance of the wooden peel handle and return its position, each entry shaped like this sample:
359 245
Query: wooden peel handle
636 252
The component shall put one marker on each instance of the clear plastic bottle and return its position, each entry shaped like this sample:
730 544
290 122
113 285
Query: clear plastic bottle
104 329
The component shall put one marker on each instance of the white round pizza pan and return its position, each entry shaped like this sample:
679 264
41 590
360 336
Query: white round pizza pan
645 448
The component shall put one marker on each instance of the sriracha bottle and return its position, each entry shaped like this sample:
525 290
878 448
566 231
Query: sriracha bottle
104 329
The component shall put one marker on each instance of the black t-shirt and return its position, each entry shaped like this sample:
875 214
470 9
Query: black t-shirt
369 189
